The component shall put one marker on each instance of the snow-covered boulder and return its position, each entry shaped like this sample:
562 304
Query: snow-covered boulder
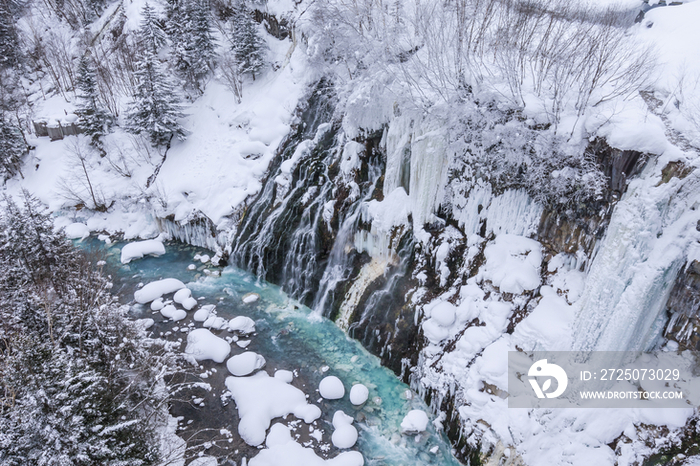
244 364
242 324
139 249
202 344
157 289
416 421
331 388
358 394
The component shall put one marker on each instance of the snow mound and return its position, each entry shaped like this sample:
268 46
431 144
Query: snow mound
344 435
189 303
251 298
331 388
157 304
182 295
513 263
415 421
261 398
203 313
358 394
77 231
444 314
202 344
142 248
282 449
168 311
157 289
245 364
284 376
242 324
215 322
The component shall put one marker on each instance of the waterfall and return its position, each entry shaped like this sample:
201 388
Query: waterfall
651 231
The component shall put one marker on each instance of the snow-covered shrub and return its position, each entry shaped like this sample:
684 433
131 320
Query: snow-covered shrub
501 148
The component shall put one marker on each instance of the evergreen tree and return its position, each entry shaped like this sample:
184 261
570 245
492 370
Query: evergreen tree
79 382
9 42
156 107
151 36
12 147
190 32
94 120
248 47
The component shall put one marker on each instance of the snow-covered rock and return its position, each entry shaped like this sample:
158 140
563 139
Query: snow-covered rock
283 450
331 388
358 394
157 289
261 398
245 364
189 303
181 295
139 249
242 324
203 345
345 434
415 421
251 298
203 312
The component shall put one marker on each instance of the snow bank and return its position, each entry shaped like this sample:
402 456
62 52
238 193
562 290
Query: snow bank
415 421
142 248
261 398
331 388
77 231
245 364
202 344
283 450
157 289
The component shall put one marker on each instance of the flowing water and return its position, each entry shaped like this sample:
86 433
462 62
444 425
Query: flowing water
290 336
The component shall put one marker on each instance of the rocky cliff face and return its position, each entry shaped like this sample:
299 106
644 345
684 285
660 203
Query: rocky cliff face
377 230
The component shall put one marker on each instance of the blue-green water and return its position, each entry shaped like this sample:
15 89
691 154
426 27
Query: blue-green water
291 337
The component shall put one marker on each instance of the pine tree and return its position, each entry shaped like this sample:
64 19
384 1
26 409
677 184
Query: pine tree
94 120
189 29
79 382
203 40
156 107
12 148
248 47
9 42
151 35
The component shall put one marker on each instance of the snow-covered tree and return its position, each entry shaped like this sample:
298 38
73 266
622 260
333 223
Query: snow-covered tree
9 42
79 382
190 31
12 147
94 120
247 45
156 108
